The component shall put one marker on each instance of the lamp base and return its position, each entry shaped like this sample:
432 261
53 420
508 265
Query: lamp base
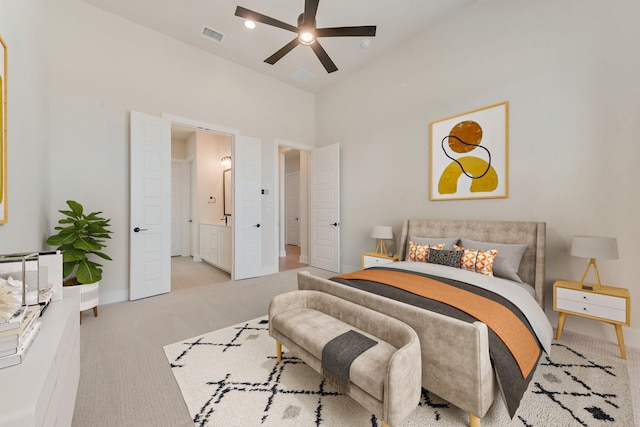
381 248
593 287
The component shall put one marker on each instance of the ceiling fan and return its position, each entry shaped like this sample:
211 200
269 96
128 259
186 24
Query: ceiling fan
307 32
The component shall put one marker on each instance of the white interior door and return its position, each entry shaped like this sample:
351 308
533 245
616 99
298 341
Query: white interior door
150 215
292 208
247 207
177 235
324 172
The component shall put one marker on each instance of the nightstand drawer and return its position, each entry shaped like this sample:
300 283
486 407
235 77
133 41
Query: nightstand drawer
372 261
577 307
606 301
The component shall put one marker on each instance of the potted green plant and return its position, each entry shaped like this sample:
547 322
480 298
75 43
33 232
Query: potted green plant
80 236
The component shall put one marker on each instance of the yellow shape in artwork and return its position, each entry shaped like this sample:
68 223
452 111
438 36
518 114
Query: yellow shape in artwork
474 166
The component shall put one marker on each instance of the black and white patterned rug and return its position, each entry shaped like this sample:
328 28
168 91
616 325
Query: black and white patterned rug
230 377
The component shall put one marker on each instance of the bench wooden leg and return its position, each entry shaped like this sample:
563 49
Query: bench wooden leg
81 318
278 351
95 311
473 420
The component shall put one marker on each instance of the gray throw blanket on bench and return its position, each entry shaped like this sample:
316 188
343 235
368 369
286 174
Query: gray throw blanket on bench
339 353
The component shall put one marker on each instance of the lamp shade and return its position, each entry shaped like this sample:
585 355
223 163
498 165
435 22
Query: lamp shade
594 247
382 232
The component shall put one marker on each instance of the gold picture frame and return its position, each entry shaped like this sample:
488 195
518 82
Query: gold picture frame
3 131
481 174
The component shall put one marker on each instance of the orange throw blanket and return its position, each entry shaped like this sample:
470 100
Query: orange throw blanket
515 335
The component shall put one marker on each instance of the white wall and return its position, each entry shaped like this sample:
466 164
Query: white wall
178 149
28 194
569 71
100 68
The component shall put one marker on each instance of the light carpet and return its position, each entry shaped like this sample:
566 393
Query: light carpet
230 377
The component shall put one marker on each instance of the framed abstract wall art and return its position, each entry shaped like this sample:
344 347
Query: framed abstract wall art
469 155
3 131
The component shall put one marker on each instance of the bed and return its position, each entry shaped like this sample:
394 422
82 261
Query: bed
458 353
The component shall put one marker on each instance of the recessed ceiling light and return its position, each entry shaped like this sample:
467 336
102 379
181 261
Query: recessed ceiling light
250 24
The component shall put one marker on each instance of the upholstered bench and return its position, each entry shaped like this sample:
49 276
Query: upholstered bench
385 379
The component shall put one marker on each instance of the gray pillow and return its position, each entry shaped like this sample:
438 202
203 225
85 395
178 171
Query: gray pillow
507 262
448 241
444 257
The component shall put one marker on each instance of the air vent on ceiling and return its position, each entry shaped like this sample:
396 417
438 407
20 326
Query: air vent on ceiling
212 34
303 75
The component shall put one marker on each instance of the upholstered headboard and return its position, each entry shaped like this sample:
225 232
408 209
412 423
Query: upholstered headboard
533 234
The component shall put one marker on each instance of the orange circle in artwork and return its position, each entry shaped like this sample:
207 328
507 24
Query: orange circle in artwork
469 132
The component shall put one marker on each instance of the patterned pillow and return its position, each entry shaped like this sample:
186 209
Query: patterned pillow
444 257
507 261
419 252
479 261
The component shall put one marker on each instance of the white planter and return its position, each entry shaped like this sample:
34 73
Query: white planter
89 295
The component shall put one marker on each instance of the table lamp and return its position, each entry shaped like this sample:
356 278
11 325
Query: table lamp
381 232
594 247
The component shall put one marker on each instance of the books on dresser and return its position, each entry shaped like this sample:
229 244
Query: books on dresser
15 320
13 339
21 351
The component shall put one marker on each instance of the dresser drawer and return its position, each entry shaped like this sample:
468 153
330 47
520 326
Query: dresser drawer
592 299
372 261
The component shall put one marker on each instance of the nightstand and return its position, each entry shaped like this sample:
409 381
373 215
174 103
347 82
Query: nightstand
373 259
607 304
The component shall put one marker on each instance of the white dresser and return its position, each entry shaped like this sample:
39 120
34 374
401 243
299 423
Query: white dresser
41 391
215 245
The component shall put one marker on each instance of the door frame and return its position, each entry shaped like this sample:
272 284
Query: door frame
279 186
206 127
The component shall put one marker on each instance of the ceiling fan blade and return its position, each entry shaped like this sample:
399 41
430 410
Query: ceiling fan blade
258 17
323 57
310 10
363 31
282 52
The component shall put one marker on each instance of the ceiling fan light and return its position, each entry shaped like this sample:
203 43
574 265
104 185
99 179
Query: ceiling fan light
306 37
250 24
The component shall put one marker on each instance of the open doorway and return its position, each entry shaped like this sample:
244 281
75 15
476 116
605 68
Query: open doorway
293 173
200 221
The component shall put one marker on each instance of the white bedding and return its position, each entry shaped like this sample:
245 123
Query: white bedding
520 294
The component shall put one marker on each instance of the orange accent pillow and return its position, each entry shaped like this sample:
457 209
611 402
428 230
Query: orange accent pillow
419 252
478 261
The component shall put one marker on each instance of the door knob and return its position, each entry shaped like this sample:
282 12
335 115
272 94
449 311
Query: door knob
138 229
335 224
257 225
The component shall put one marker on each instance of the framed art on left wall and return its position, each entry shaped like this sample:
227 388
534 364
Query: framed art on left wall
3 131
